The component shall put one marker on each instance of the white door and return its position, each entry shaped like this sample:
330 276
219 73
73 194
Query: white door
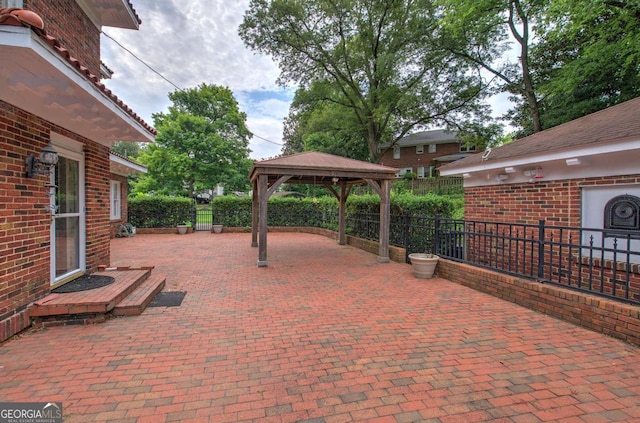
67 227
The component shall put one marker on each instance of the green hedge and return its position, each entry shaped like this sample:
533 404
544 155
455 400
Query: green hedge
322 212
159 211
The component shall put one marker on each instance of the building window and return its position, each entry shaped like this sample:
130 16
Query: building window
11 3
419 149
432 148
467 148
403 171
116 202
396 152
420 172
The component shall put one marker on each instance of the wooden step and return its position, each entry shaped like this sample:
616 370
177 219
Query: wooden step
94 301
135 303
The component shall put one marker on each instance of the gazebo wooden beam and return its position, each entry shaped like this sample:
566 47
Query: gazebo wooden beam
318 169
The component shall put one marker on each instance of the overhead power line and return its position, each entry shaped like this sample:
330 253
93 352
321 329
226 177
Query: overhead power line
167 79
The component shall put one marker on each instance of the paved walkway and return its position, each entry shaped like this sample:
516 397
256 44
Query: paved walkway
324 334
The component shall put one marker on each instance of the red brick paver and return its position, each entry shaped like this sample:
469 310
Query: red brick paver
324 334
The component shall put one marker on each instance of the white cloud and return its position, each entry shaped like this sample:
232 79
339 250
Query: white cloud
190 43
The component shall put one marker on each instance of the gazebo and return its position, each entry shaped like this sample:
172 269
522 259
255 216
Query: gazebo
337 174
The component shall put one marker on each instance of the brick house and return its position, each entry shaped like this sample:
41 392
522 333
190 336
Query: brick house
566 174
55 222
581 180
422 152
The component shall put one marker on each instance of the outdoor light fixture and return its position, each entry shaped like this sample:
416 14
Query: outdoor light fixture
466 175
573 162
335 180
510 169
42 165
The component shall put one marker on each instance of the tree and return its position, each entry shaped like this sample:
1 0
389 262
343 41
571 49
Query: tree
127 149
382 57
202 141
588 57
317 125
482 31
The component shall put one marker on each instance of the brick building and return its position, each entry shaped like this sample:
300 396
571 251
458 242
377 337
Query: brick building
566 174
55 222
423 152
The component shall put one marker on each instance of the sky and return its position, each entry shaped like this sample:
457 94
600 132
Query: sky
190 43
194 42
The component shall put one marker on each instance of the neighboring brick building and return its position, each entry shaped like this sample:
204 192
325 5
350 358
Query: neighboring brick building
421 153
56 226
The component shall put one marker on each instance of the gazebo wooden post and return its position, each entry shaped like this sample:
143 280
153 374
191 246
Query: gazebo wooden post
255 207
263 197
385 220
342 224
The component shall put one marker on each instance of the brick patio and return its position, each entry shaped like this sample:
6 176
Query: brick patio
324 334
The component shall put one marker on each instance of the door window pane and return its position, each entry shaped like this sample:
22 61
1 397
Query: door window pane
67 193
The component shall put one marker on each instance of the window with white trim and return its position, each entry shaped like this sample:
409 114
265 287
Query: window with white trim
396 152
432 148
467 148
419 149
18 4
420 172
116 202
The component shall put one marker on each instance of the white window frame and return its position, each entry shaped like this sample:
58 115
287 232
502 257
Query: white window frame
419 149
18 4
467 149
420 172
396 152
115 200
432 148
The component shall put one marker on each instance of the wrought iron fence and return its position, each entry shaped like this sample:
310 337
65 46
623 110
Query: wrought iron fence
597 261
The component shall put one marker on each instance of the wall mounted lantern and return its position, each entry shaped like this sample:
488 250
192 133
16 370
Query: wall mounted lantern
42 165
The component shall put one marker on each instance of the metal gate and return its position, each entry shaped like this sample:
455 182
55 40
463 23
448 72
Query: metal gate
203 219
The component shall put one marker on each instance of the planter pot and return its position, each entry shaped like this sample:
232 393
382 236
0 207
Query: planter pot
182 229
424 265
216 229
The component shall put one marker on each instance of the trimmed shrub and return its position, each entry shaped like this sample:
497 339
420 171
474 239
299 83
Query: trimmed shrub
159 211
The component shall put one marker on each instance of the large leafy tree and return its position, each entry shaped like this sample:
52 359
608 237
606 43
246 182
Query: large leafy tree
588 57
317 125
202 140
382 58
484 32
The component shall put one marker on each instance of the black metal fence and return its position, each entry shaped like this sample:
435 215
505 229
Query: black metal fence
597 261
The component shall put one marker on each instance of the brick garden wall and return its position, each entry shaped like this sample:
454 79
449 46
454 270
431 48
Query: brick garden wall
67 22
24 222
602 315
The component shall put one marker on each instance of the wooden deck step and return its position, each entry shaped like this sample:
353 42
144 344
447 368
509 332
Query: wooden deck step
135 303
94 301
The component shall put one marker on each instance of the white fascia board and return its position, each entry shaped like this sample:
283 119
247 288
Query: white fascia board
137 168
597 150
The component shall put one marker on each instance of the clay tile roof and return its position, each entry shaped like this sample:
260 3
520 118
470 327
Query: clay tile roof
27 18
617 123
134 12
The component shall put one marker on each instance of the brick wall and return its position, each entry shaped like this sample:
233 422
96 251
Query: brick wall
24 222
409 158
612 318
97 204
68 23
558 202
